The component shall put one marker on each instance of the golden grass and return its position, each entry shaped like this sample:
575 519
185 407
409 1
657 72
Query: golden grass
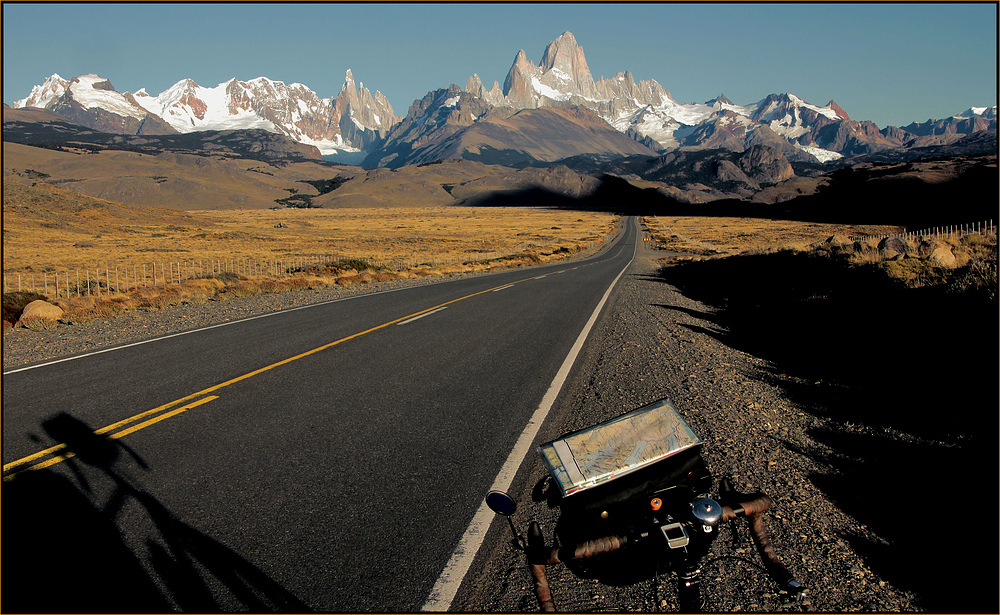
975 264
50 230
432 235
725 235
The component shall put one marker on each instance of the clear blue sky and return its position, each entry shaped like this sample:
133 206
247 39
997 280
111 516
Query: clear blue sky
888 63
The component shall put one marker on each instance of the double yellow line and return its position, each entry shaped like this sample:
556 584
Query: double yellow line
21 465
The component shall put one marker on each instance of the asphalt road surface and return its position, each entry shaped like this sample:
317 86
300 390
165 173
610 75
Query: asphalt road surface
326 458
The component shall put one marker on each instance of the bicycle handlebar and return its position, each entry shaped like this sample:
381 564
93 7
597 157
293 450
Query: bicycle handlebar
756 506
590 548
754 510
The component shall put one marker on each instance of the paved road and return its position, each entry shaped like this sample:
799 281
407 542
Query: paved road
327 458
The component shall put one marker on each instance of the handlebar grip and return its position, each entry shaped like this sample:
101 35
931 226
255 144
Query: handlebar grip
538 560
542 590
587 549
760 504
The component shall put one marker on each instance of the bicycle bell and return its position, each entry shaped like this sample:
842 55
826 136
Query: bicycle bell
707 511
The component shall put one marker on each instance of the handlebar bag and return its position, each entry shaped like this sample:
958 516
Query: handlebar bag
650 450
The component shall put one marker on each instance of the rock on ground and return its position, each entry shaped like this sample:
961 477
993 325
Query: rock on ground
39 310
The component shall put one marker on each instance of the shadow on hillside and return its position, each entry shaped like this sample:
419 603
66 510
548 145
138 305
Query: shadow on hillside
853 197
612 194
908 378
98 542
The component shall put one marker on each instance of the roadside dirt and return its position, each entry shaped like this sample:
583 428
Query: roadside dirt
843 483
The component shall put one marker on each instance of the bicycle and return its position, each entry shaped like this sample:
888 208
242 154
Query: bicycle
638 484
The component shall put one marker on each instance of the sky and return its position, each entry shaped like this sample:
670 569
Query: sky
892 63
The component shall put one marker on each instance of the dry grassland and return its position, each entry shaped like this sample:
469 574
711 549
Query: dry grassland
113 235
723 235
50 230
413 235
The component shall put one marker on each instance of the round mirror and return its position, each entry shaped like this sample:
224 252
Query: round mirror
501 503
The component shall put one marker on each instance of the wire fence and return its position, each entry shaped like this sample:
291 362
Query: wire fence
937 232
126 277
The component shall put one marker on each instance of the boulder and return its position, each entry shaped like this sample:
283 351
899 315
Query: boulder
839 240
943 256
896 244
39 310
929 246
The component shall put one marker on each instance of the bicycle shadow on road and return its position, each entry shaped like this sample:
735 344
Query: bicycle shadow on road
93 540
908 400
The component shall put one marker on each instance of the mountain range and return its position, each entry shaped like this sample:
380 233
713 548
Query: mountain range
541 114
352 121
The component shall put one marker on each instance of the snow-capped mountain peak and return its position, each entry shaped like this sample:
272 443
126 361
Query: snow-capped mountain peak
356 120
260 103
43 95
89 91
984 112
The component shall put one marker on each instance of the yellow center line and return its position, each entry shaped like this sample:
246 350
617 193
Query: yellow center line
70 454
211 389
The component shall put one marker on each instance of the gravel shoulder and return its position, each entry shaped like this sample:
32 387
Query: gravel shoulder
23 346
653 342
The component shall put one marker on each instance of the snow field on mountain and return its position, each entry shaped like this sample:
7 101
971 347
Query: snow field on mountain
91 97
171 106
543 90
823 155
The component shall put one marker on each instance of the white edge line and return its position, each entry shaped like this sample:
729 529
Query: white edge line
446 587
221 324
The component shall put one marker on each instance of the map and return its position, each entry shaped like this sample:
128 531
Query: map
595 455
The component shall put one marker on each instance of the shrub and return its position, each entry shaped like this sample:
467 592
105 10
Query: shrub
385 277
241 289
227 276
298 283
358 264
977 280
39 324
268 286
